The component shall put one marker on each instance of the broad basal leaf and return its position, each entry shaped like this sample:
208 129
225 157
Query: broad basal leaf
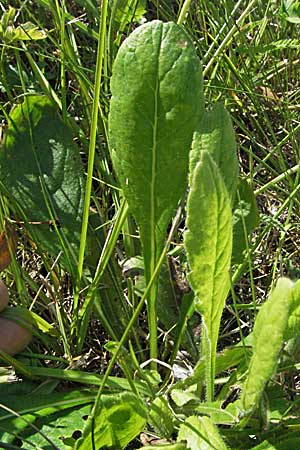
41 170
156 104
268 334
208 243
216 136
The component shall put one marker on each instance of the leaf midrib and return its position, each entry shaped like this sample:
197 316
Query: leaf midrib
154 164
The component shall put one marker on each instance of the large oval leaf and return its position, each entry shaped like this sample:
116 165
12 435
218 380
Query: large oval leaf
41 170
156 104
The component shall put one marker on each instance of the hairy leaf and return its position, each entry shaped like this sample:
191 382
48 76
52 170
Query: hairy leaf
208 242
156 104
216 136
293 327
268 334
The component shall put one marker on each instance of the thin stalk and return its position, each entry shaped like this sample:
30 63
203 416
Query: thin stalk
91 157
183 12
62 61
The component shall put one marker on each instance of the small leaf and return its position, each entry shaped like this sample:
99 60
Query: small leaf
161 417
8 17
291 10
245 212
121 418
208 243
200 433
128 11
268 334
28 32
216 136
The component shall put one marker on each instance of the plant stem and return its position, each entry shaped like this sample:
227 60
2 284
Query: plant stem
183 12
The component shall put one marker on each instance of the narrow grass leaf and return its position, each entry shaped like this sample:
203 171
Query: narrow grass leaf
268 334
216 136
208 242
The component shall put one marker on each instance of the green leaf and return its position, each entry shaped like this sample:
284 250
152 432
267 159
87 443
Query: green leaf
161 417
32 406
293 327
119 420
156 104
41 170
129 11
291 10
165 447
285 444
245 219
8 17
28 32
268 335
200 433
61 428
216 136
208 243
